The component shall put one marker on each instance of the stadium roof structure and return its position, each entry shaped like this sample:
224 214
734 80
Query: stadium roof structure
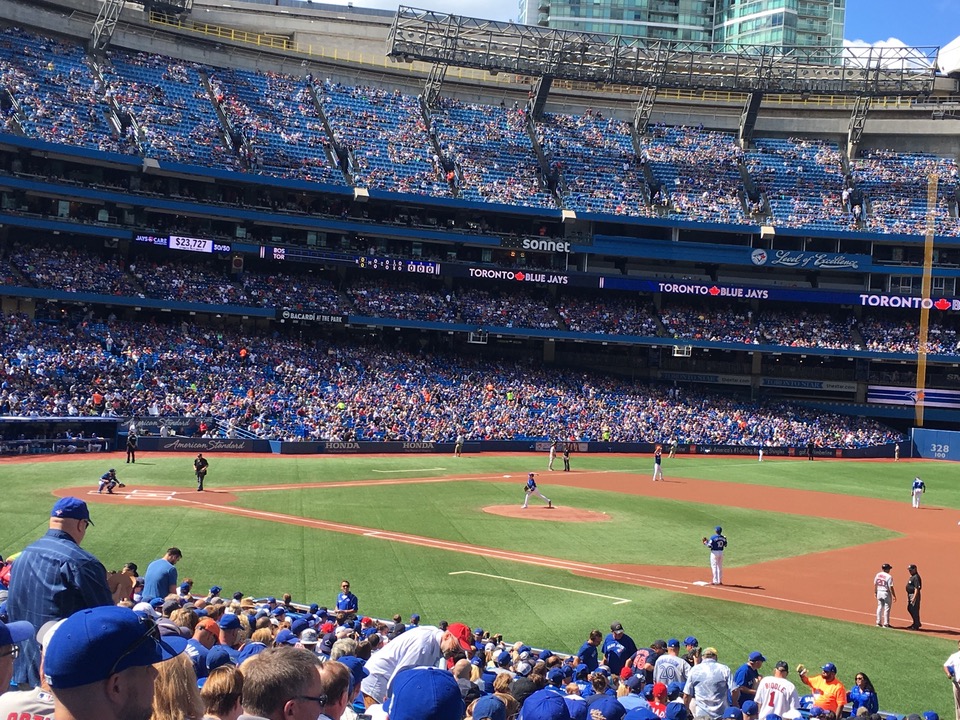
494 46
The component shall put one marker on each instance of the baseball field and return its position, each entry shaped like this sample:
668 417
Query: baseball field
445 537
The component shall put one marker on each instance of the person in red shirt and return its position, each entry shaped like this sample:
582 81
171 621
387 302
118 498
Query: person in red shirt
660 699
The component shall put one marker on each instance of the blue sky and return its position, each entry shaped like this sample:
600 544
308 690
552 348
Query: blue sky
914 22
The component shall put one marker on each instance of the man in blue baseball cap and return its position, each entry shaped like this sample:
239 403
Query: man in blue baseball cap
100 664
747 676
52 579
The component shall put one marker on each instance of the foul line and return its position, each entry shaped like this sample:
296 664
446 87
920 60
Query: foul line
620 601
410 470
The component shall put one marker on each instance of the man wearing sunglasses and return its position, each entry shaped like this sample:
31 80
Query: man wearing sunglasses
99 664
11 635
53 578
284 683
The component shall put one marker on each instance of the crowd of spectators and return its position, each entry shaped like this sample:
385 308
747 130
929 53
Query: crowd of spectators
53 84
806 328
208 281
491 146
387 138
803 181
896 185
183 281
602 172
901 333
72 270
718 322
296 291
172 109
700 171
609 315
231 655
161 107
283 388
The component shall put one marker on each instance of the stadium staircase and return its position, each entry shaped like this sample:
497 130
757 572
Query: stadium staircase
341 156
451 170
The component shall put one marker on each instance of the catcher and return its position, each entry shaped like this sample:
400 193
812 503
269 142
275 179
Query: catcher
200 466
530 488
109 481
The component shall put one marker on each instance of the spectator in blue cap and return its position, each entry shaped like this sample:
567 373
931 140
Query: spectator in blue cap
425 693
670 667
630 693
100 664
11 635
490 707
53 578
285 637
544 705
747 676
214 592
692 655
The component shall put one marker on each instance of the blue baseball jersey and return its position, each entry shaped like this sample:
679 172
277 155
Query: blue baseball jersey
531 483
918 484
717 543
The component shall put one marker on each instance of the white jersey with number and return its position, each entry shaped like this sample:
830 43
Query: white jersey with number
882 584
776 695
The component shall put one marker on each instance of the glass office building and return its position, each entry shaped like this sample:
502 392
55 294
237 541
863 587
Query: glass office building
813 23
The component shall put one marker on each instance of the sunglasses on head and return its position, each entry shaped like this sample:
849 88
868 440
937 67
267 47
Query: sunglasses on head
151 632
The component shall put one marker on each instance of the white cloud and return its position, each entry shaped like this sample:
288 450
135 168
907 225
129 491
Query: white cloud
890 53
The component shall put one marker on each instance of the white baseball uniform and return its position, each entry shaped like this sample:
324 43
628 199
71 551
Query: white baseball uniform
883 585
917 490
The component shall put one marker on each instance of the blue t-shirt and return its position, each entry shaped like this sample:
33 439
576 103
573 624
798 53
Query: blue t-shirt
161 575
617 652
588 656
348 601
744 677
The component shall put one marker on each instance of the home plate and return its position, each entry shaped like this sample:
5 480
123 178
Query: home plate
144 494
701 583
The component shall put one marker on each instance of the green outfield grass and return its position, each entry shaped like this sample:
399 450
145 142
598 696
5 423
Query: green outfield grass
551 607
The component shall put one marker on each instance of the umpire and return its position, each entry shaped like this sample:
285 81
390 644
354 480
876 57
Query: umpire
913 596
200 466
131 447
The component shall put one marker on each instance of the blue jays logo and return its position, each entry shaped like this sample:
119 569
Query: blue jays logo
758 256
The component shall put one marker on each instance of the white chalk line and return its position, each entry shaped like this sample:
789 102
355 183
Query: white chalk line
619 600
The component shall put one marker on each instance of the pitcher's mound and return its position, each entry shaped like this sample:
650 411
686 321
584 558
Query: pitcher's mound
542 512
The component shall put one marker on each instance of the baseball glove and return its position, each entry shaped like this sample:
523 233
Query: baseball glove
703 540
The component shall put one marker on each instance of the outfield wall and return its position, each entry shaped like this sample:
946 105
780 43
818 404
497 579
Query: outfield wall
936 444
184 444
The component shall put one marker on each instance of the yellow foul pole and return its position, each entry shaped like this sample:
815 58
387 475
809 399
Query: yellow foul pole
932 181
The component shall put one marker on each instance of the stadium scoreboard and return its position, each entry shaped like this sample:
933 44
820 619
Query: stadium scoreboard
180 242
364 262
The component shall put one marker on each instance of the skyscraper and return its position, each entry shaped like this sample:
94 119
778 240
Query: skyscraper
814 23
